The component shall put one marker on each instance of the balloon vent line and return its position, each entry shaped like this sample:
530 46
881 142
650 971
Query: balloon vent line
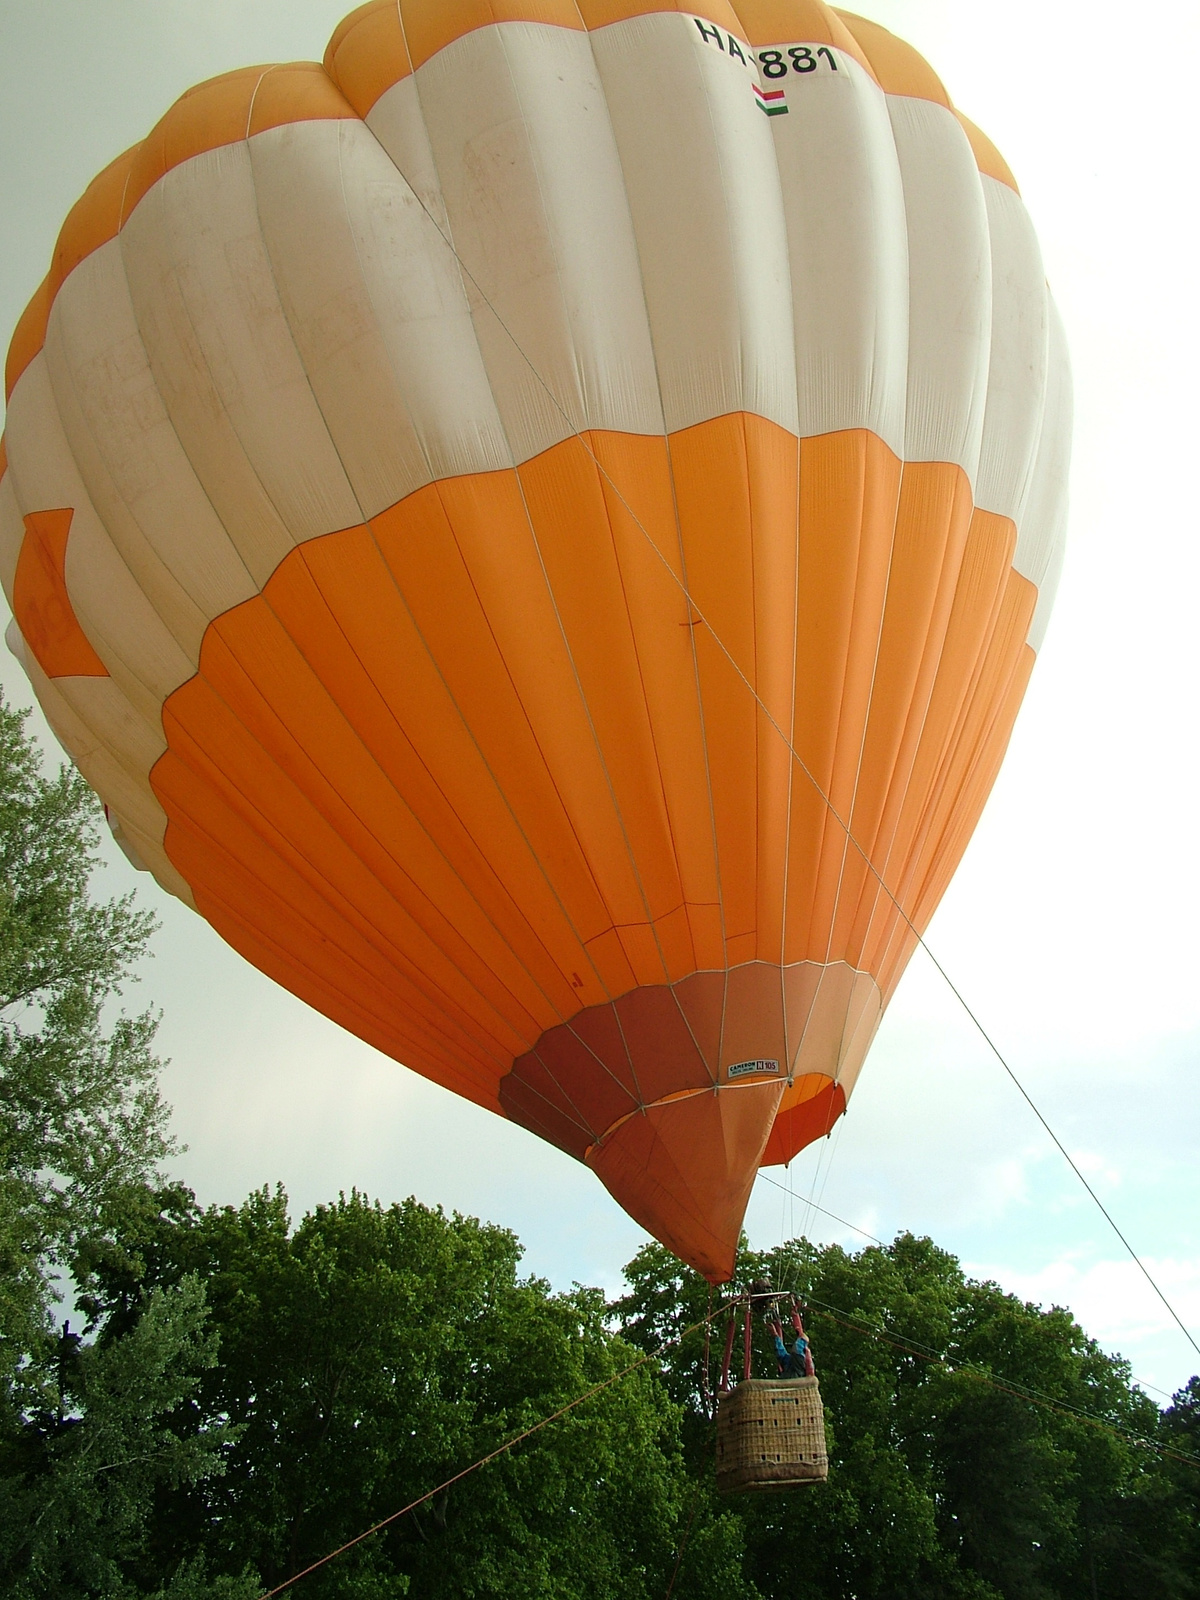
804 768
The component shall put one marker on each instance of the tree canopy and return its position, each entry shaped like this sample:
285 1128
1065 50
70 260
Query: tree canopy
85 1433
82 1117
370 1353
980 1446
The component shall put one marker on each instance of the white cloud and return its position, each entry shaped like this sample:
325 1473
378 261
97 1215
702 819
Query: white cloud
1113 1302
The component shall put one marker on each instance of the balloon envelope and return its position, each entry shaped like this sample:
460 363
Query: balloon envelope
538 529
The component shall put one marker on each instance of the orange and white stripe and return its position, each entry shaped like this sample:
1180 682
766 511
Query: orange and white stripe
442 483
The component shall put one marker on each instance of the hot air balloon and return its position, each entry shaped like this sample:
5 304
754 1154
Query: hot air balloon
538 529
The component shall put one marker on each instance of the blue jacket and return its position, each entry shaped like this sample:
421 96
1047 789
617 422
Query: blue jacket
793 1365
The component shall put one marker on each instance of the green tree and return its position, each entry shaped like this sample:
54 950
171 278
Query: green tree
979 1446
83 1130
81 1120
370 1353
74 1520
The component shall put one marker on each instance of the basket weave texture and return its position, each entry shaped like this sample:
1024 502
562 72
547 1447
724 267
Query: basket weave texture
771 1435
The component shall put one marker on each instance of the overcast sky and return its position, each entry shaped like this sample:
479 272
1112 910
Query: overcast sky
1072 927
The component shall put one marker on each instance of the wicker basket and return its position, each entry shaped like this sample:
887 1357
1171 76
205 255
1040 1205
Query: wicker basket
771 1435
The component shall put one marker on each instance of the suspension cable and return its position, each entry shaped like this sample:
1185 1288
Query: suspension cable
1004 1385
853 1226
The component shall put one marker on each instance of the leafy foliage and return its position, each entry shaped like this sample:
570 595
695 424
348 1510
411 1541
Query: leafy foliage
84 1432
77 1514
371 1353
979 1446
81 1120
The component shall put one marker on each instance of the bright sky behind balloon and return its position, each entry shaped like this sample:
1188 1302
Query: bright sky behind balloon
1070 927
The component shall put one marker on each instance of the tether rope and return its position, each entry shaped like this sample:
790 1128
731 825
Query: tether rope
500 1450
854 1227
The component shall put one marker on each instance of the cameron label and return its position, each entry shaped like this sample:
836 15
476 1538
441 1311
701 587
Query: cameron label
745 1069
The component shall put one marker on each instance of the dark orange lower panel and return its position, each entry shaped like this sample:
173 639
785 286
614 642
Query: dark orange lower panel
684 1169
675 1094
797 1126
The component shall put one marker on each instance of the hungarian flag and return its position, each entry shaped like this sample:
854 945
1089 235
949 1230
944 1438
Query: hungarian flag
771 101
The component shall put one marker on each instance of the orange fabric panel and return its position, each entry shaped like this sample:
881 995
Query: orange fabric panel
803 1089
496 534
661 1044
898 68
599 13
849 494
42 605
979 591
970 769
268 885
754 1022
228 109
932 521
561 1092
296 91
430 25
951 844
396 797
272 749
439 713
350 24
975 795
684 1170
802 1120
736 486
798 22
425 601
368 54
467 567
664 1055
987 158
1006 675
385 1025
478 782
626 622
583 1078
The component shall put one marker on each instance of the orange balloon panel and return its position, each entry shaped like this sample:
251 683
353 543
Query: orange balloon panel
539 530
